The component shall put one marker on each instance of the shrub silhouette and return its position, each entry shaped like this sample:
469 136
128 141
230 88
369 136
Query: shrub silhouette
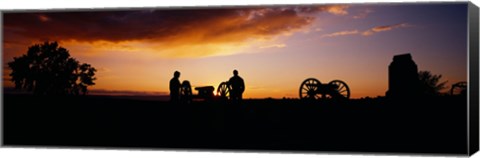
430 83
48 69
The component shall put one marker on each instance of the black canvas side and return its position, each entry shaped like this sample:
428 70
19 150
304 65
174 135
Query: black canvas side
473 135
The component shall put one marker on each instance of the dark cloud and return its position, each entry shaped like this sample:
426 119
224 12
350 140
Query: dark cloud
189 25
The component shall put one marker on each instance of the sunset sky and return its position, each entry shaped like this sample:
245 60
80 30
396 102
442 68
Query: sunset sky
274 48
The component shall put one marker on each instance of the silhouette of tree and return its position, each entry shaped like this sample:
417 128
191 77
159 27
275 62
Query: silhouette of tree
48 69
430 84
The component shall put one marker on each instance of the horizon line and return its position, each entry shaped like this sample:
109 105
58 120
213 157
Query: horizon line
106 92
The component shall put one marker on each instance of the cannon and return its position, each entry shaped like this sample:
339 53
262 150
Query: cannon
312 88
223 90
205 92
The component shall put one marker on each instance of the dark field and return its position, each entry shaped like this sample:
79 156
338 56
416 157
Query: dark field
428 125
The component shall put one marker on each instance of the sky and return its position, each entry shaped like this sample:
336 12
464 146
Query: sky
274 48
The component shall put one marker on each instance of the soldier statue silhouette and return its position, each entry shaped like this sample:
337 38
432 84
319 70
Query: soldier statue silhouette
237 86
175 87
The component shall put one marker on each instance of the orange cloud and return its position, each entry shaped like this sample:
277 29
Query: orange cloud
338 9
384 28
368 32
332 9
274 46
43 18
168 33
363 14
341 33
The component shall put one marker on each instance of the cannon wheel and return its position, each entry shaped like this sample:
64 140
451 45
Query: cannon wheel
186 92
308 89
340 88
223 90
459 88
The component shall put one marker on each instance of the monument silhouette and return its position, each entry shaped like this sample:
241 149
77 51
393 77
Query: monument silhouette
403 77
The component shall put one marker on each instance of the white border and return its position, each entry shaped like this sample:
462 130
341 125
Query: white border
82 153
49 4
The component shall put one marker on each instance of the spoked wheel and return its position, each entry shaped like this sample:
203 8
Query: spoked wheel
186 92
338 89
309 89
223 90
459 88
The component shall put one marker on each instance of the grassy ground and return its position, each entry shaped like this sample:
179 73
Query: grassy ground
427 125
